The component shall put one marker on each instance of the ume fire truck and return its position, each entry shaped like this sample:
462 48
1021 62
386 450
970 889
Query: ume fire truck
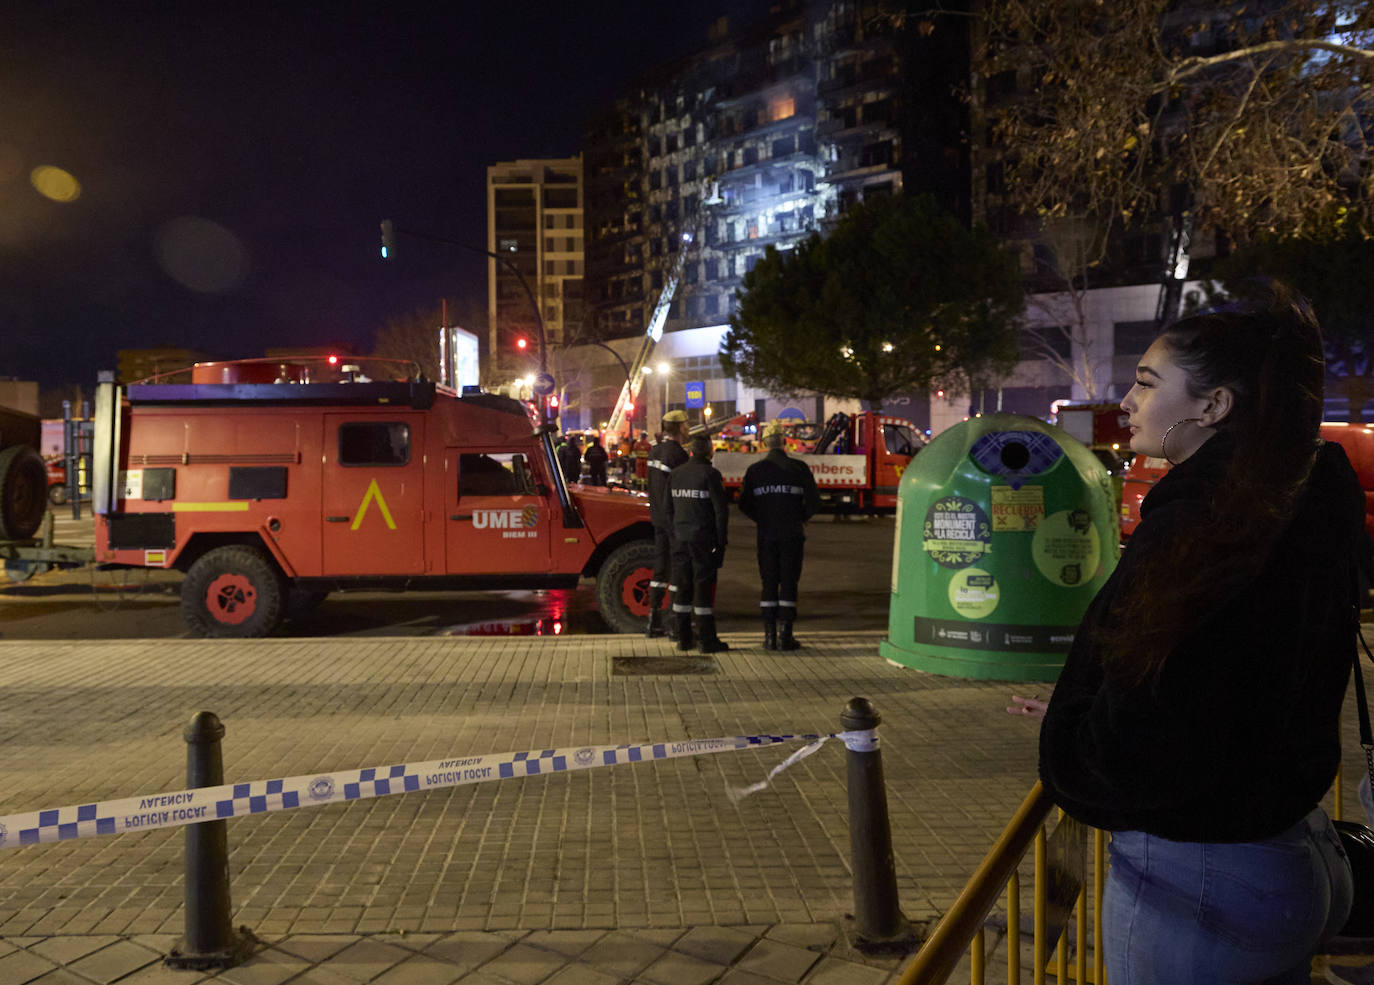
273 482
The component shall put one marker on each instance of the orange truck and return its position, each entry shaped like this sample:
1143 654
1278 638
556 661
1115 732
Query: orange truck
271 483
857 460
1356 439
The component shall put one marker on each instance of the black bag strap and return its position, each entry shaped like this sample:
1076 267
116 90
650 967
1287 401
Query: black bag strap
1361 701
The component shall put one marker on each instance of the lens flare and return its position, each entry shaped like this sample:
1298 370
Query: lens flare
54 183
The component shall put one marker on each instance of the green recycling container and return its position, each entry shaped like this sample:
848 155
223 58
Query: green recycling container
1006 529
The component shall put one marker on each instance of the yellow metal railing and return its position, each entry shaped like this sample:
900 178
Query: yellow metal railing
963 925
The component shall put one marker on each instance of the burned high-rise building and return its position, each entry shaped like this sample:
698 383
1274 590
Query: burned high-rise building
757 139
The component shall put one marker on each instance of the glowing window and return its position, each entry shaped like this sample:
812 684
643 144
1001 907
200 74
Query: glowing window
781 109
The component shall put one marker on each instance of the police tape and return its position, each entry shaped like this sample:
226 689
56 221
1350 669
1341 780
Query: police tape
201 804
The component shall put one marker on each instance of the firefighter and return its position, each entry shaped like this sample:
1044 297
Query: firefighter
666 456
595 459
779 494
643 449
570 458
700 512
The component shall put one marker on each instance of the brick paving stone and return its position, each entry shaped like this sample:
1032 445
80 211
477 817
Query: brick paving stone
737 977
682 969
581 974
622 954
114 961
523 965
267 967
833 971
466 950
160 974
19 967
778 961
719 944
365 959
65 950
420 970
817 936
567 942
314 948
61 976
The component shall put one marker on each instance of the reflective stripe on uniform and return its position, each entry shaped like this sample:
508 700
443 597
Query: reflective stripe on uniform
661 466
790 605
682 609
768 605
704 612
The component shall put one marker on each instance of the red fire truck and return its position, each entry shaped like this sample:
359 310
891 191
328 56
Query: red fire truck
271 483
857 461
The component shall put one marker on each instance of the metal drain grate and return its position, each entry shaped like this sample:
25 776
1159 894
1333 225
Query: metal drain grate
641 666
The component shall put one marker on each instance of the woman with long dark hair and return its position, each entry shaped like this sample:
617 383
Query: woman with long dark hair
1197 715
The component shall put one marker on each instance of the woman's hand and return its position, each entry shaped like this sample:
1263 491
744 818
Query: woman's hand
1032 707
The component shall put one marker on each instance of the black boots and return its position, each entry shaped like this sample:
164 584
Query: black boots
710 642
785 640
770 632
683 621
656 628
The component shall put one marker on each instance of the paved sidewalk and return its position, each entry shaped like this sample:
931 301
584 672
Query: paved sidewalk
636 873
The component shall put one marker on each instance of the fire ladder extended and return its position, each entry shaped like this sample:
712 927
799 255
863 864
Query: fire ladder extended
629 392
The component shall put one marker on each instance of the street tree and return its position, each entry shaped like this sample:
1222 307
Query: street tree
1261 110
415 336
899 296
1333 273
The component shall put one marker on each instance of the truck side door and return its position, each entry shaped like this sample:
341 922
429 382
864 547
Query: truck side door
496 519
373 494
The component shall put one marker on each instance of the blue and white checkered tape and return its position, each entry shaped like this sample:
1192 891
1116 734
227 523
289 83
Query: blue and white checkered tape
263 796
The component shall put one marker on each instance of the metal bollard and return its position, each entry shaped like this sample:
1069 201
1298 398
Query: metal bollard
878 918
209 941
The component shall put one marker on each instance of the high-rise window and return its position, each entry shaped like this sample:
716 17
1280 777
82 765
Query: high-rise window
781 108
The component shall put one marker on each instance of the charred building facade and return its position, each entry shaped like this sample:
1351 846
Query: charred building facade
756 140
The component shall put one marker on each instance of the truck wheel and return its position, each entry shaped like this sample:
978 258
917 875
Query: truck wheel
622 586
23 492
233 591
57 494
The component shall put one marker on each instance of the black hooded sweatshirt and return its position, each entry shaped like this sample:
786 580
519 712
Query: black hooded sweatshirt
1238 739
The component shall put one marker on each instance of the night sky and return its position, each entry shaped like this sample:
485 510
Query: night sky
234 160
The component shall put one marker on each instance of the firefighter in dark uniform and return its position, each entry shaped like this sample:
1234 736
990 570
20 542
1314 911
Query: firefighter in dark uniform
779 494
700 512
667 455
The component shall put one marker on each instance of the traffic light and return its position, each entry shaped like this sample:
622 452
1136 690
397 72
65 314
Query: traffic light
388 239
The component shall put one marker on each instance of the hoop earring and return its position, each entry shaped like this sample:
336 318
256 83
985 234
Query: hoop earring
1164 441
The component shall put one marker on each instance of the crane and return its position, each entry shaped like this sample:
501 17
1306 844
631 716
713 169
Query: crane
629 391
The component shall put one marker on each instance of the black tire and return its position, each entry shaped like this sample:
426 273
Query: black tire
233 591
23 492
622 586
57 494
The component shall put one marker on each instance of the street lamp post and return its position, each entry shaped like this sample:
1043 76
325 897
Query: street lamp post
388 232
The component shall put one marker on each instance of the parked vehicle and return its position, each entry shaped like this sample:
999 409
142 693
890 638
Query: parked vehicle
1356 439
271 483
857 461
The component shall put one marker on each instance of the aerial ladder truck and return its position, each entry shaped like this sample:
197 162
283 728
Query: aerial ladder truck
629 391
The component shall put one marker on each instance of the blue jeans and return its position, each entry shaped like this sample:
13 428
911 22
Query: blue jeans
1188 913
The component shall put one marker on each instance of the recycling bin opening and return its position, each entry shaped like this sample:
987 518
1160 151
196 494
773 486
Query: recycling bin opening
1006 529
